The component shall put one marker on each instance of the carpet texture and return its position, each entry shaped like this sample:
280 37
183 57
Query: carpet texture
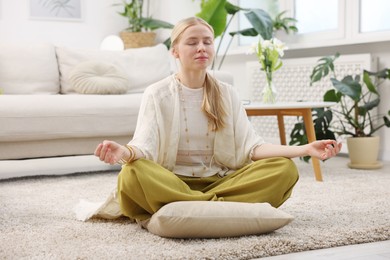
37 222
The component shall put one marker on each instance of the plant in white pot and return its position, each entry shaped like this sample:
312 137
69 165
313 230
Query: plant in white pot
140 32
355 116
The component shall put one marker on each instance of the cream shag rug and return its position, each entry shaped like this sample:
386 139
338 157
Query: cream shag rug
37 222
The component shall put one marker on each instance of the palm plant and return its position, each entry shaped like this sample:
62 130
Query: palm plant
216 12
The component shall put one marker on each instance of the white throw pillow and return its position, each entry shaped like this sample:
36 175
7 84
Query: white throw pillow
213 219
143 66
95 77
28 69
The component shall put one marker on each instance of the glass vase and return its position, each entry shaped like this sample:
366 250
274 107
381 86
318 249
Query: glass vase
269 91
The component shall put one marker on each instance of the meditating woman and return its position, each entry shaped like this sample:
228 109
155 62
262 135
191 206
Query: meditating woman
194 142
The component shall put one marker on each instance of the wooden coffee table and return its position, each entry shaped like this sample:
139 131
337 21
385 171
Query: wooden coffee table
281 109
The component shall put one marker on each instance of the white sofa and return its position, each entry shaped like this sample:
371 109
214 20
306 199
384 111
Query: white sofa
48 125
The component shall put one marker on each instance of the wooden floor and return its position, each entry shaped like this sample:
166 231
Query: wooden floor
369 251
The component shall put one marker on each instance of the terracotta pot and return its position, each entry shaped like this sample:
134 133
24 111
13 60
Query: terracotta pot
363 152
138 39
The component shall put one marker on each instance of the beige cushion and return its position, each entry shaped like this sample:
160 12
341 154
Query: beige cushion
28 69
95 77
143 66
213 219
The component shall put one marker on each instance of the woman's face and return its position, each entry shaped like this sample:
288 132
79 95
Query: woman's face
195 48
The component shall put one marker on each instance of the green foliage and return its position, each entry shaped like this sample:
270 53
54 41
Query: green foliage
215 12
321 120
356 97
323 67
284 23
132 10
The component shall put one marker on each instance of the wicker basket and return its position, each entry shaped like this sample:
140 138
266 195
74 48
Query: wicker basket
138 39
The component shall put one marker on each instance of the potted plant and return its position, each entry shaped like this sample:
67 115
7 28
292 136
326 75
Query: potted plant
140 31
354 116
216 12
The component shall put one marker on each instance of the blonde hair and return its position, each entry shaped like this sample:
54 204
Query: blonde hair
212 104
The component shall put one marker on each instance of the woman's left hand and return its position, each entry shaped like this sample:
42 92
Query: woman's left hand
324 149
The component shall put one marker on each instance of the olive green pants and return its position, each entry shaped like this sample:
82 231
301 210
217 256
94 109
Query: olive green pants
144 186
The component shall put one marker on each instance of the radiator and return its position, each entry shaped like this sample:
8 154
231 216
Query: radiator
292 82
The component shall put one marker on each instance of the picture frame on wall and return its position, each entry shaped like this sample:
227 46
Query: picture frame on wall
65 10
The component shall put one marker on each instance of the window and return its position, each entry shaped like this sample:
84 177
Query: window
374 15
316 15
324 23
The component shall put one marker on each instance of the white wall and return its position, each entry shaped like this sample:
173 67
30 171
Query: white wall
99 20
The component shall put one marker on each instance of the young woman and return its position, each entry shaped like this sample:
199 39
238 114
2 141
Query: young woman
193 140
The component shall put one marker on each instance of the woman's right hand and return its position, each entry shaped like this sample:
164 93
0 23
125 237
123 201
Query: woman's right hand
110 152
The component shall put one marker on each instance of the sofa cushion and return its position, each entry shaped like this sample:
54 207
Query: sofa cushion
96 77
28 69
143 66
45 117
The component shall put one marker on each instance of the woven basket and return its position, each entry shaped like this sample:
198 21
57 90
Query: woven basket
138 39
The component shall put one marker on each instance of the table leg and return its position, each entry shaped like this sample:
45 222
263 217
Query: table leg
311 137
282 132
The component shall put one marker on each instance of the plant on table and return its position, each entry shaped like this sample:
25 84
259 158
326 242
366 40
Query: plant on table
269 53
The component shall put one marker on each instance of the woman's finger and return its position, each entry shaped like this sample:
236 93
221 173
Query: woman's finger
103 152
98 149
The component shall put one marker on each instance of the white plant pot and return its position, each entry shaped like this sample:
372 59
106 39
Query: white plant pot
363 152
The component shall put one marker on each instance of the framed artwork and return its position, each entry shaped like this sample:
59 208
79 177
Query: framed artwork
70 10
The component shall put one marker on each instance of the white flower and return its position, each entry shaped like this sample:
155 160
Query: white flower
279 46
269 53
266 44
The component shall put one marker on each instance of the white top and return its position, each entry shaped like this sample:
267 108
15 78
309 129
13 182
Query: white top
157 134
196 143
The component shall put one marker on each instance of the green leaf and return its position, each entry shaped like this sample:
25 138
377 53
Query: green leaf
261 22
332 96
386 120
371 105
284 23
367 80
246 32
233 9
348 86
323 67
383 74
153 24
214 12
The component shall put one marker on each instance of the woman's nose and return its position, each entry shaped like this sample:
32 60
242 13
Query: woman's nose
201 47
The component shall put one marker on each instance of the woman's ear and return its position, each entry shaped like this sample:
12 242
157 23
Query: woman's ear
175 53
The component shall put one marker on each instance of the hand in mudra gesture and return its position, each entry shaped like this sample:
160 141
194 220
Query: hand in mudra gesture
110 152
324 149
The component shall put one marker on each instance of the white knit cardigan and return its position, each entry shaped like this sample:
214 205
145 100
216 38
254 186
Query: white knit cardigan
157 136
158 127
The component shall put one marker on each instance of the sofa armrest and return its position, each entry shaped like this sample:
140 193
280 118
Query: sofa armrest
223 76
